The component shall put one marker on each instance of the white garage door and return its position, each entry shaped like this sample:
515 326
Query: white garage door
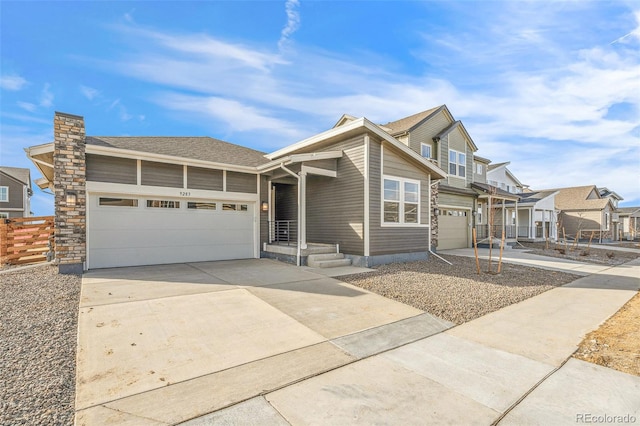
453 229
126 231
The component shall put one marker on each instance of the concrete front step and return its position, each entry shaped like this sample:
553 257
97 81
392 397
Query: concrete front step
327 260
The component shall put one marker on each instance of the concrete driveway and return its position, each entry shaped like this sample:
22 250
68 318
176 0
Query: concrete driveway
165 344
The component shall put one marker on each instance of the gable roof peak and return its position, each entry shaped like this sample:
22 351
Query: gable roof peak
406 124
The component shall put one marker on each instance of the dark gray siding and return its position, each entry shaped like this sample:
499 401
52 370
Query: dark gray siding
335 206
242 182
264 216
162 174
394 239
200 178
102 168
286 202
16 194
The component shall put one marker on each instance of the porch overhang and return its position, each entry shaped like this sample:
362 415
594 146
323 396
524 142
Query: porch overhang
302 159
42 158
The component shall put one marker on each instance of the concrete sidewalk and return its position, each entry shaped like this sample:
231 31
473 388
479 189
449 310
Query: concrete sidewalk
512 366
523 257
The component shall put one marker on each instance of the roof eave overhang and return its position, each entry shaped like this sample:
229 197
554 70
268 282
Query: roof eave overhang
299 158
355 127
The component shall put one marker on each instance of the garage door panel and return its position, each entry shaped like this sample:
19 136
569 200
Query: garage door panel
452 232
127 236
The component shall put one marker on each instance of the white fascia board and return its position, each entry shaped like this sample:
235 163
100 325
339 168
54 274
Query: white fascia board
148 156
328 155
512 176
298 158
39 149
317 138
318 171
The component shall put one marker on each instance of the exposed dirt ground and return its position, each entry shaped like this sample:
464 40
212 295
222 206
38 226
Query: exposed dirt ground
616 344
580 254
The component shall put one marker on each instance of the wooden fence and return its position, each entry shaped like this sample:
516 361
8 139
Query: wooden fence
26 239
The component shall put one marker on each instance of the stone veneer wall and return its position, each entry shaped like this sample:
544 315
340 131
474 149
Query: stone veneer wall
435 186
69 176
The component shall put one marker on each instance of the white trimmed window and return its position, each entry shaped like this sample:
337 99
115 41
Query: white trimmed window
425 150
606 221
4 215
478 168
401 201
4 194
479 214
457 163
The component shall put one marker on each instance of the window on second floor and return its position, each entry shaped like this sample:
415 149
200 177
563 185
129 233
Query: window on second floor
478 168
4 194
457 163
425 150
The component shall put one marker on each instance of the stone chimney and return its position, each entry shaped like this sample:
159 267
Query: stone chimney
69 184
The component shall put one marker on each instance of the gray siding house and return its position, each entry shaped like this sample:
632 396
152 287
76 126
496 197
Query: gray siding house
351 194
15 192
437 136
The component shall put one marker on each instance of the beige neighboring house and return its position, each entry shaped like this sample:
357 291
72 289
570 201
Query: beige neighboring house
15 192
583 211
437 136
629 222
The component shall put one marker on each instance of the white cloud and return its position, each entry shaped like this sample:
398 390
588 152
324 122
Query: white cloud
46 97
89 92
27 106
12 82
292 25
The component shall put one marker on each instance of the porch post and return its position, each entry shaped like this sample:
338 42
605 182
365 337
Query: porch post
302 209
270 212
516 213
532 213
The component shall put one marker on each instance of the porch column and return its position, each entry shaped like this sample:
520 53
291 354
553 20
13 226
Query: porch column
515 212
302 210
270 212
532 215
504 221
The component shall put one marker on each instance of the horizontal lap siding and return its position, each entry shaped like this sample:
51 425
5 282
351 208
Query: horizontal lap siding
162 174
454 200
335 206
427 131
200 178
572 221
264 216
16 194
242 182
286 202
101 168
395 239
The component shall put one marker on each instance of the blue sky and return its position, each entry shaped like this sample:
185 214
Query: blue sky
553 87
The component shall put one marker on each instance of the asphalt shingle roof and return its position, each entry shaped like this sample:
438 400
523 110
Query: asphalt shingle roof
199 148
407 123
535 196
575 198
18 173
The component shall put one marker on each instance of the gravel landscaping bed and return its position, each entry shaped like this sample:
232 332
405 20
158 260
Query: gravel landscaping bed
456 292
38 328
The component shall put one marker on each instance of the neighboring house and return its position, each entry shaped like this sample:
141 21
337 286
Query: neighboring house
531 218
583 211
630 222
153 200
437 136
15 192
618 228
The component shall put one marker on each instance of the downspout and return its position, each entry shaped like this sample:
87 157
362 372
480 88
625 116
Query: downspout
298 251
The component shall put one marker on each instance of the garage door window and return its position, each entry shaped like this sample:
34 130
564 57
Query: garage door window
235 207
163 204
118 202
201 206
